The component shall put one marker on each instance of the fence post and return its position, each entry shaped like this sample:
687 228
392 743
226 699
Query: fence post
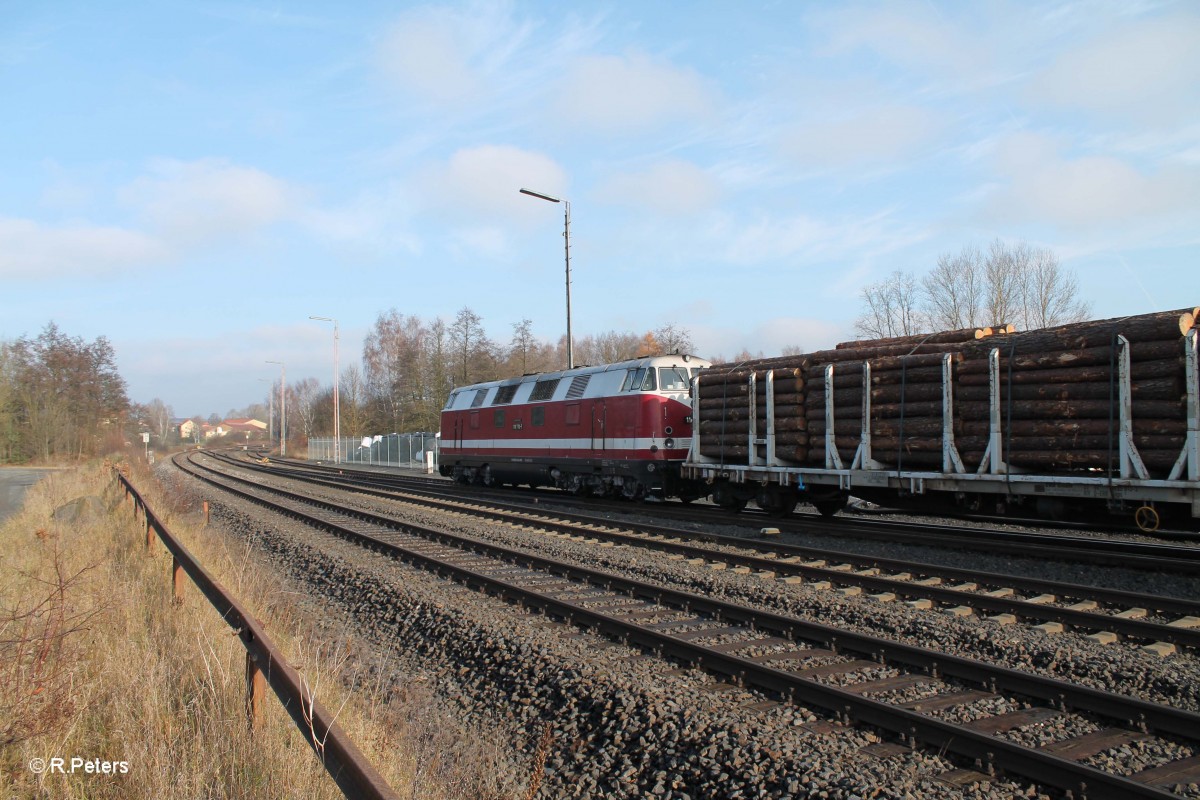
206 513
255 687
149 533
177 579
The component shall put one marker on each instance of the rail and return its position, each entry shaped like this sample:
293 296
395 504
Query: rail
342 759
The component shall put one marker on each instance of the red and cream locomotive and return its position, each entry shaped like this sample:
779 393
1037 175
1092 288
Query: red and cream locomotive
617 429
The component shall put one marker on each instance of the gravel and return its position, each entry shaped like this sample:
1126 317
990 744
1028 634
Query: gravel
623 724
619 726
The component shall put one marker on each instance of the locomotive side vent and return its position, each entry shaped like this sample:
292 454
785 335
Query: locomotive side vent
504 395
479 395
543 390
578 386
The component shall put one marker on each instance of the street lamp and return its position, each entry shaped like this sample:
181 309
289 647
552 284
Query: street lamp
282 408
567 250
270 414
337 412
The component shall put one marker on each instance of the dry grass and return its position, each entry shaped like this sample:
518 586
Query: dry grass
96 662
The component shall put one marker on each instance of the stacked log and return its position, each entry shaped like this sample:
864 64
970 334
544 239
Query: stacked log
725 407
1058 395
906 405
799 392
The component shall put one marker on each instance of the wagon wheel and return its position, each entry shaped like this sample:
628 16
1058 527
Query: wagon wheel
1146 519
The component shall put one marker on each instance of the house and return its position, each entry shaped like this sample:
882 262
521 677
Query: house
187 429
247 428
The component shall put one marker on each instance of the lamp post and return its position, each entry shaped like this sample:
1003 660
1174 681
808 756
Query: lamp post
282 408
567 251
337 412
271 413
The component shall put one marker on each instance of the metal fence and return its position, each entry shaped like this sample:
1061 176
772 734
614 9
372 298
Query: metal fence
405 450
266 665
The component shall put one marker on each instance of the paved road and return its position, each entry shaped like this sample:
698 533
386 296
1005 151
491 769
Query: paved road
13 483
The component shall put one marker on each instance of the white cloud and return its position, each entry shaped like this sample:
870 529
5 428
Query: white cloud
486 179
878 135
424 56
375 221
31 250
1089 191
196 202
629 94
1146 70
669 187
449 55
910 36
772 239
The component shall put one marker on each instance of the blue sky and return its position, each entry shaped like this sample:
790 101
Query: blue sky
193 180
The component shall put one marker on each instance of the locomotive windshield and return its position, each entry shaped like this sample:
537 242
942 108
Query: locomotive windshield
673 379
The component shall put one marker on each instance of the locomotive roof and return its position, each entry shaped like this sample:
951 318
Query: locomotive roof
673 360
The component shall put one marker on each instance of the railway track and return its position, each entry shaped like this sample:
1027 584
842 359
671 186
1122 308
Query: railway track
1157 622
923 697
1158 556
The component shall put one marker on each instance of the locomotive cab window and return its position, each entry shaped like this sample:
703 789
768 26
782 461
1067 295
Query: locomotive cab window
640 379
498 417
673 379
537 415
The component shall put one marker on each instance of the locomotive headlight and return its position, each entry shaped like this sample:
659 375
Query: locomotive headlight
688 419
669 443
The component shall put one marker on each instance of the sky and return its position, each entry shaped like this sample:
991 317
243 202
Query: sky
194 180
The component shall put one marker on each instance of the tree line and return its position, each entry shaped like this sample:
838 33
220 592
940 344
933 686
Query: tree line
410 365
60 397
1005 284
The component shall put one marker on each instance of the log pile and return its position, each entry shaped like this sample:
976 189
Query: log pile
1059 393
1059 397
799 382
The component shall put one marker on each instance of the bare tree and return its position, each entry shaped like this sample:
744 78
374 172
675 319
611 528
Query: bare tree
1012 283
522 343
473 351
1049 294
159 416
353 391
673 338
303 407
892 307
953 291
738 358
9 433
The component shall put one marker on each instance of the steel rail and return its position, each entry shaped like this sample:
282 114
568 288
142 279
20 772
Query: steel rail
1087 620
1032 763
1107 552
350 769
